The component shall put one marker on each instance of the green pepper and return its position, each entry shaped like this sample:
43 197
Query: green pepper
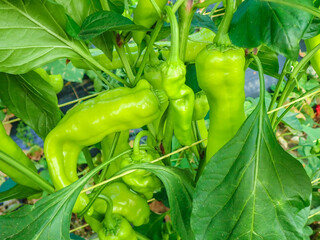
181 96
315 60
89 122
56 81
201 106
146 15
121 231
126 203
9 147
141 181
196 42
220 73
115 227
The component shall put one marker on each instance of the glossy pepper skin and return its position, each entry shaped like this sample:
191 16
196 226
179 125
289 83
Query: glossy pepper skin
126 203
9 147
88 123
181 99
315 60
146 15
122 230
220 73
141 181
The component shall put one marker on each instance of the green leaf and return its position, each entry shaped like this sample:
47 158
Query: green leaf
116 6
67 71
48 218
277 26
313 30
179 186
269 60
153 229
252 188
17 192
78 10
32 34
200 20
72 28
104 21
32 99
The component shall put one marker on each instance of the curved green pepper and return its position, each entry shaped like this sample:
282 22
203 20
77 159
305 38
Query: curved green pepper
56 81
125 203
146 15
89 122
9 147
181 96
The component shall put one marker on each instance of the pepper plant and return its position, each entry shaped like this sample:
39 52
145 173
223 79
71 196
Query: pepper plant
184 66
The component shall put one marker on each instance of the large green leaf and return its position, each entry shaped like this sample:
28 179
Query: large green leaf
104 21
48 218
252 188
32 34
179 187
32 99
277 26
78 10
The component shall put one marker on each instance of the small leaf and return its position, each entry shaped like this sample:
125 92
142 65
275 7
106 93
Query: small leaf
277 26
32 99
200 20
17 192
67 71
269 60
103 21
313 30
252 188
72 28
153 229
179 186
116 6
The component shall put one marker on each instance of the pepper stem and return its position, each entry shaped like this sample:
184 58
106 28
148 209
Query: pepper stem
174 50
109 221
136 143
222 37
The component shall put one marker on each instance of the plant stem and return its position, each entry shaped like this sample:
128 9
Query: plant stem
177 5
261 78
222 37
39 181
174 49
88 157
109 221
105 5
205 3
186 12
150 45
305 95
125 61
279 83
136 143
113 148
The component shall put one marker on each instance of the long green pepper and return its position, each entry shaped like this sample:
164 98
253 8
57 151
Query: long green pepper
220 73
